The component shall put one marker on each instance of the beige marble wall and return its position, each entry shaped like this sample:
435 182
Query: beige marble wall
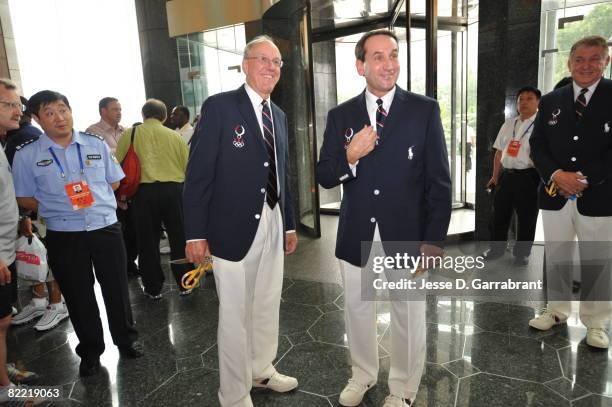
9 66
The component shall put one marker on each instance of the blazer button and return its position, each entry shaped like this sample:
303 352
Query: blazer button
573 158
575 137
266 164
257 216
376 192
373 220
263 190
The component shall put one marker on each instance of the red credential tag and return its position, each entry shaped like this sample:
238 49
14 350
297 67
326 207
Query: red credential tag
513 148
80 195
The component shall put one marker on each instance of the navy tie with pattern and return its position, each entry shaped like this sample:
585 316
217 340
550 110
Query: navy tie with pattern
580 103
381 116
271 188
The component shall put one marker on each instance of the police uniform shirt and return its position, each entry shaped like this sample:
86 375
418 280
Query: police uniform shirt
37 175
515 129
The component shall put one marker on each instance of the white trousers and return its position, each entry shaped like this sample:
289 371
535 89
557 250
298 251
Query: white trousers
408 327
564 226
249 300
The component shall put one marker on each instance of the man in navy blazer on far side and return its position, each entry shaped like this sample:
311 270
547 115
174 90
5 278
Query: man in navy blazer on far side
238 209
386 147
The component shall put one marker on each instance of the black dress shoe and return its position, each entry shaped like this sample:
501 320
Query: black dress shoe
493 254
521 260
131 352
89 367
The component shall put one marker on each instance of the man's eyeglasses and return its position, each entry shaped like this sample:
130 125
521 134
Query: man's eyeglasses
14 105
266 61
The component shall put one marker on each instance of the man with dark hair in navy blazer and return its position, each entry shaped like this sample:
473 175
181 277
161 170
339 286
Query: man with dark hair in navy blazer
238 209
386 147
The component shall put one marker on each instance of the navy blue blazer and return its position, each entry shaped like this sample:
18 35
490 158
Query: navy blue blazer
403 184
227 173
559 142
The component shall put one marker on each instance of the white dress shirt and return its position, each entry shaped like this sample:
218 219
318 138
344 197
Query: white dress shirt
515 129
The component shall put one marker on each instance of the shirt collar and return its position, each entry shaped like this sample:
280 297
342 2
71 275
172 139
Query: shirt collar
578 88
186 126
386 99
254 96
46 141
529 119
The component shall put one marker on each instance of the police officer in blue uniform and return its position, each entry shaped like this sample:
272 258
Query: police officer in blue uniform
68 177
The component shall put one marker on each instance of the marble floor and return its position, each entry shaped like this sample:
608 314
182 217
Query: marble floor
479 353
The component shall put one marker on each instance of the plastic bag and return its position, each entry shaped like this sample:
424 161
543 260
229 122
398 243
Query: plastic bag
31 259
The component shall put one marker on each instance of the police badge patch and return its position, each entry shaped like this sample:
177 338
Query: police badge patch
44 163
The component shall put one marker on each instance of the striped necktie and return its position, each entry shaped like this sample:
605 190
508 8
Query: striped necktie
580 103
271 188
381 116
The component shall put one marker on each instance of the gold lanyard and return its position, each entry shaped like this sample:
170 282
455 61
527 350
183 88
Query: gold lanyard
192 278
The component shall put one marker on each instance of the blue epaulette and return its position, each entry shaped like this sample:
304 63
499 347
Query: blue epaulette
93 135
25 143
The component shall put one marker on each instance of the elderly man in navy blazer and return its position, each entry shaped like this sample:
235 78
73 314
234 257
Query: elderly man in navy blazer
386 147
238 209
571 148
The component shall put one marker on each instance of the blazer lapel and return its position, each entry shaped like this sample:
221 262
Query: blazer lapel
248 114
566 107
279 145
593 102
362 110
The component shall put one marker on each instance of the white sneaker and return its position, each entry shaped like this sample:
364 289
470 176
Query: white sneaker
277 382
597 338
353 393
395 401
164 250
546 320
54 314
34 309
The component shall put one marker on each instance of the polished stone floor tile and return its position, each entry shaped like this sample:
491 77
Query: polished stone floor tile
296 318
192 388
30 344
512 356
312 293
484 390
461 368
329 328
300 337
570 391
593 401
437 389
292 398
189 363
320 368
591 369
